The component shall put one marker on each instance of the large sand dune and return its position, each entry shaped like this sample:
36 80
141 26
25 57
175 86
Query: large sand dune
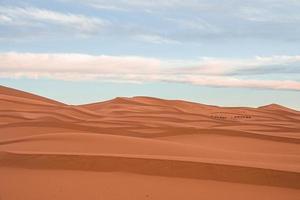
146 148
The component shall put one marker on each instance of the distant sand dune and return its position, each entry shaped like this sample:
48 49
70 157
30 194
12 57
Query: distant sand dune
141 141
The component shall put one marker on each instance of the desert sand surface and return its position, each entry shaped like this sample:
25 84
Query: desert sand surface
146 148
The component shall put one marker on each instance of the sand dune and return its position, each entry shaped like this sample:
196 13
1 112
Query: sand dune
148 165
198 150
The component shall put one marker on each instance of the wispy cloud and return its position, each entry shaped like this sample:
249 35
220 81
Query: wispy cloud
76 63
246 66
36 17
159 22
256 14
140 4
5 19
155 39
205 71
195 24
225 81
44 22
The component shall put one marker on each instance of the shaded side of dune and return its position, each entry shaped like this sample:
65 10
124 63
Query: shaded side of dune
153 166
165 131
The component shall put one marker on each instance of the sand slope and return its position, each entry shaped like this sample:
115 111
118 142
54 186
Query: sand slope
122 147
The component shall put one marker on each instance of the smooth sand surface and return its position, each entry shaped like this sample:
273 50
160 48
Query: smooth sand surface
77 185
146 148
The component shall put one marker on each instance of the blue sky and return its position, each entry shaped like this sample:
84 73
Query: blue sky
232 53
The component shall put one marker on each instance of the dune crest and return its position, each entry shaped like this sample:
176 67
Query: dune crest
148 139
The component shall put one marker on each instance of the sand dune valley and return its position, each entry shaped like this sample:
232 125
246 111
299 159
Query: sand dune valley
146 148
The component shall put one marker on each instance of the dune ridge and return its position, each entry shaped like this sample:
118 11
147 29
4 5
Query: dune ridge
149 136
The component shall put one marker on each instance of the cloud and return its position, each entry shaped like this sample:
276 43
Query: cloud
5 19
157 21
208 20
195 24
267 15
20 22
256 65
139 4
47 19
76 63
229 7
155 39
205 71
221 81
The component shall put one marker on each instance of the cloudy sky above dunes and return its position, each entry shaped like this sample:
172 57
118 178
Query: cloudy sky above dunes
233 52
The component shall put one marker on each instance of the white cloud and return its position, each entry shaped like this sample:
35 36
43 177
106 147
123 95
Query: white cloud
4 19
256 14
258 64
155 39
140 4
190 21
209 71
34 16
194 24
221 81
76 63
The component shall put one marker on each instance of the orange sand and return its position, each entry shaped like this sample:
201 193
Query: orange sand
146 148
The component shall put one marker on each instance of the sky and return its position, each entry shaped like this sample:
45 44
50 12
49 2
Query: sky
227 53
